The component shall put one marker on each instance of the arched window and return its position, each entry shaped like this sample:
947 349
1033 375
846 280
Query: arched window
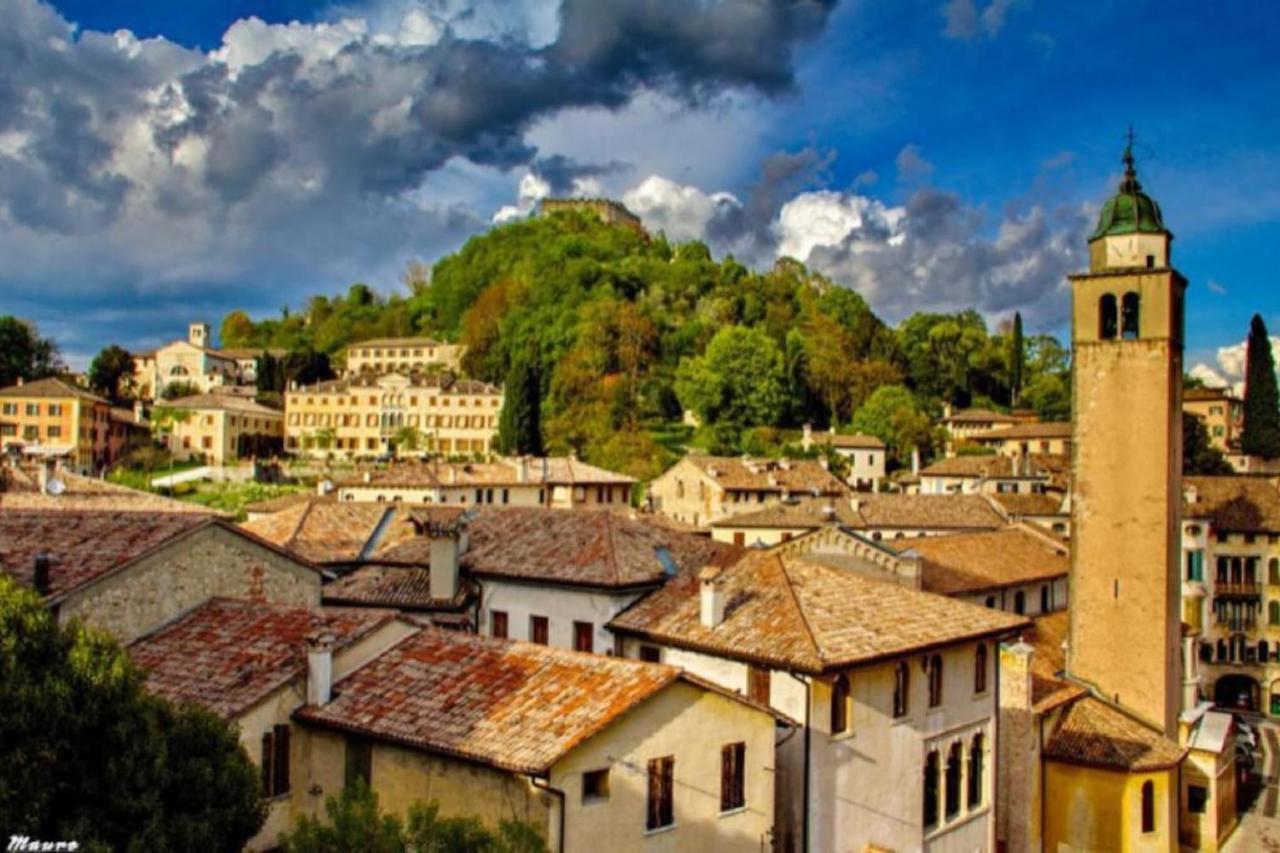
901 689
1019 602
1129 316
840 705
935 681
955 759
980 668
975 771
931 789
1273 612
1107 316
1273 571
1148 807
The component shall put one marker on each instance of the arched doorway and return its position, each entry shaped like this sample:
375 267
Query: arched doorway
1236 691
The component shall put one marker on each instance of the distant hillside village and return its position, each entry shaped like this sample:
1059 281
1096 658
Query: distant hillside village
793 581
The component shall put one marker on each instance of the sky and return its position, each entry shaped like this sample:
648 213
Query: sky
166 162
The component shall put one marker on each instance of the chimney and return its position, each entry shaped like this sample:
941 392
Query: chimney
20 381
915 461
368 476
828 512
522 469
319 668
946 411
824 464
712 597
48 468
807 441
40 577
445 552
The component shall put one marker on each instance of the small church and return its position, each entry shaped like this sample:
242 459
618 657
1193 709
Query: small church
1105 743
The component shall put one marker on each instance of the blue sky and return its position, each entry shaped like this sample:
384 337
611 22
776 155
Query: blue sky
933 154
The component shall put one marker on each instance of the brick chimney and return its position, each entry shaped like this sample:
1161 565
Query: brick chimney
319 668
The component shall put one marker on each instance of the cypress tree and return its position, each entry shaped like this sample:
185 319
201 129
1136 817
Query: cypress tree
1261 435
1016 363
520 423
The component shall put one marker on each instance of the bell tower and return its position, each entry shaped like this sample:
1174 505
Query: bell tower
1127 319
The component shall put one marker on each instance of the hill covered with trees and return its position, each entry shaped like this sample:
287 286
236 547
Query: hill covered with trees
625 333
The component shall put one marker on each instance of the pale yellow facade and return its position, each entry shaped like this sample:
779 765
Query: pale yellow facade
369 417
1093 810
49 418
683 721
403 355
1222 414
223 431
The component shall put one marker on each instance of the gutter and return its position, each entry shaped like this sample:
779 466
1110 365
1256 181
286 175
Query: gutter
558 794
808 704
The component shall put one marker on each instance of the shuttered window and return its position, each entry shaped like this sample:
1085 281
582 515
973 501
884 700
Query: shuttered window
275 762
733 793
758 685
661 805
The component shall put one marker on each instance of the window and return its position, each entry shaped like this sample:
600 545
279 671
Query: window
901 689
975 771
758 684
840 705
954 758
935 681
661 805
595 786
1129 316
1195 565
583 636
1020 602
931 790
55 432
1107 316
1197 797
1273 612
206 442
1273 571
991 602
651 654
539 629
275 761
739 537
980 669
1044 599
359 761
55 409
33 409
10 409
1148 807
733 788
498 623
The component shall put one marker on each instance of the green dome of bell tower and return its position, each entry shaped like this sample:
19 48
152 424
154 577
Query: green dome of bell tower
1130 210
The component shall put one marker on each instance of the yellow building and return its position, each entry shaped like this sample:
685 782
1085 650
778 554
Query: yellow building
222 428
403 355
194 362
1025 440
406 415
1221 412
52 418
700 490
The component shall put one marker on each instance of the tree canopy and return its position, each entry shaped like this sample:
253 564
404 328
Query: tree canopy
108 370
24 354
1261 434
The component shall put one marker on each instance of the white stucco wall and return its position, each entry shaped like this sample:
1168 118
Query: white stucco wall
560 604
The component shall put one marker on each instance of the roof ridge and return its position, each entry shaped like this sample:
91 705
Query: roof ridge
795 599
297 528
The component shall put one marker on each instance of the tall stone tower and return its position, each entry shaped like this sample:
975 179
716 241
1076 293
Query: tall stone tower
1127 444
199 334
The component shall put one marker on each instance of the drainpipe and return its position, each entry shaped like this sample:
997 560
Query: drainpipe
558 794
808 703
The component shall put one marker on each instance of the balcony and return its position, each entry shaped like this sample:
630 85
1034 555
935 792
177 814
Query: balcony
1237 589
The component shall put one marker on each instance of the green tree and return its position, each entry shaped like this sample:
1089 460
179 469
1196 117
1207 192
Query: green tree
356 825
892 415
1017 359
1049 396
520 422
87 753
306 366
407 439
737 382
237 330
1261 434
24 354
108 368
1199 456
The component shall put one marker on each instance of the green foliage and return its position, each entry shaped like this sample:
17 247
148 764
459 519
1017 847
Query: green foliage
892 415
356 825
178 390
24 354
737 382
1050 397
107 369
1261 434
86 753
1017 359
1199 456
520 422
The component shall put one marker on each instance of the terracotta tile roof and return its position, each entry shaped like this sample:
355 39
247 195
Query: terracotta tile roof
797 513
1033 504
396 342
1094 733
979 416
1235 504
83 546
240 353
326 533
966 563
789 611
930 512
442 382
288 501
562 470
1051 429
222 403
21 491
851 442
993 465
594 548
228 654
769 475
511 705
407 587
50 386
1192 395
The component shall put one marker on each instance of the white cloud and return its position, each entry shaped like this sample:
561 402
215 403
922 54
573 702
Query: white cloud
1229 365
682 212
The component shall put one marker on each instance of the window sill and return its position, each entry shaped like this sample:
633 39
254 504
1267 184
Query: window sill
731 812
278 798
842 736
660 830
937 829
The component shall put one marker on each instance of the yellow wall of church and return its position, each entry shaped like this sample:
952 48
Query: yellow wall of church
1090 809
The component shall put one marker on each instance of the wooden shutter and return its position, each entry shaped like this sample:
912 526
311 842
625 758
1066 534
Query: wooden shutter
654 818
281 780
268 760
668 791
